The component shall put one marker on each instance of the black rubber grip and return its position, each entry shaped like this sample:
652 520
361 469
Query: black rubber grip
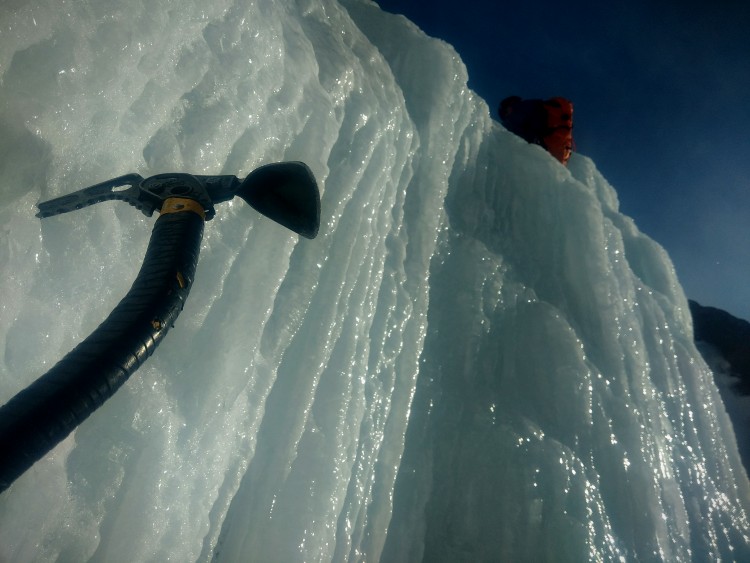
43 414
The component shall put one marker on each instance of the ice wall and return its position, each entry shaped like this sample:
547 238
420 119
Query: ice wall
467 296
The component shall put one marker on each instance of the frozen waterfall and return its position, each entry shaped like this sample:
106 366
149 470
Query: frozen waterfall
478 359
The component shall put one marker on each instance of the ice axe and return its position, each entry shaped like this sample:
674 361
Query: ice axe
48 410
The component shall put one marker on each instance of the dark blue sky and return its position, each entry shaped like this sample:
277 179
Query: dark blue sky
662 105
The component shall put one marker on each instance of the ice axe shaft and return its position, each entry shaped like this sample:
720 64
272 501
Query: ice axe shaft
42 415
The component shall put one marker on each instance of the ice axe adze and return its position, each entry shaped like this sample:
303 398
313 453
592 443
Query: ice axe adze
43 414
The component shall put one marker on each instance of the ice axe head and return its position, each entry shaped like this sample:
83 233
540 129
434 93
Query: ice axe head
287 193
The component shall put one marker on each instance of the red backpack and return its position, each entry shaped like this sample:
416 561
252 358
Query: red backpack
558 137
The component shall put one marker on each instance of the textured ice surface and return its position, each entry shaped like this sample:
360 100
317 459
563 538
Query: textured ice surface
479 358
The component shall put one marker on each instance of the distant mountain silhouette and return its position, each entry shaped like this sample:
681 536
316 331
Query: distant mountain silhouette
730 336
724 342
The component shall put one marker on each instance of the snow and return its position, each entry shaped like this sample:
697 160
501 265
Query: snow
479 358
